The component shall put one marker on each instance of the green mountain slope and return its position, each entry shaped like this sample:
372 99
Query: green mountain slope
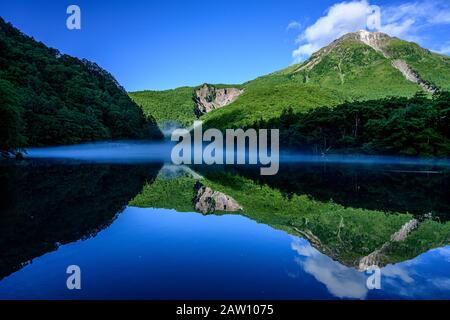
171 107
266 99
359 66
357 71
174 105
433 67
47 98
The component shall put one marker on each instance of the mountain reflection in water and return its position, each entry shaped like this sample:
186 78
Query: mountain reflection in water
300 234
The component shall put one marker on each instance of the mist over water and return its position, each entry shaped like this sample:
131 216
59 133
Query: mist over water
169 126
107 152
361 159
149 152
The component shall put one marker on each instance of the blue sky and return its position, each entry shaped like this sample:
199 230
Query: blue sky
172 43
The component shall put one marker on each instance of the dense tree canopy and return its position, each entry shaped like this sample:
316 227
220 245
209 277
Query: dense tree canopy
416 126
47 98
11 124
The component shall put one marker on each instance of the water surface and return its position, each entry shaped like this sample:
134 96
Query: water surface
78 206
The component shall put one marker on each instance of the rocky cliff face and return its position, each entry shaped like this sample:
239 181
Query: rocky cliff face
375 40
209 201
208 98
412 75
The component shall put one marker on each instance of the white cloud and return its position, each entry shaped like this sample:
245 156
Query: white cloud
445 49
404 20
397 271
341 281
442 283
441 18
409 279
340 19
445 252
294 25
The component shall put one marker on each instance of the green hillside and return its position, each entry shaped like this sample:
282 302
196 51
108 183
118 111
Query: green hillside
433 67
167 106
48 98
358 72
266 98
349 69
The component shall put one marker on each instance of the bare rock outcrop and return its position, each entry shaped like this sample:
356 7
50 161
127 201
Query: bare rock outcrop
208 98
208 201
376 258
403 233
373 259
412 75
375 40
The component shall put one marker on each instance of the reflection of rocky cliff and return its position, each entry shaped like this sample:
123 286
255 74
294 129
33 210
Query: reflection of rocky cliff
45 206
208 201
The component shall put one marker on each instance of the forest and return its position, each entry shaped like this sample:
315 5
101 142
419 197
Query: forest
417 126
49 98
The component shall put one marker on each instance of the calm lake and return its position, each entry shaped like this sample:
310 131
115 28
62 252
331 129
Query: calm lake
127 218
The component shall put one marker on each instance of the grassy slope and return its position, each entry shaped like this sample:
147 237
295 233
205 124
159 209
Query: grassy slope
265 99
171 105
352 71
429 235
360 73
432 67
174 194
165 106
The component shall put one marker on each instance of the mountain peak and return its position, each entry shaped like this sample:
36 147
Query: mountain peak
365 34
376 40
368 34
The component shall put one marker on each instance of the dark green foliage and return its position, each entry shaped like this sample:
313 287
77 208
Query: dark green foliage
11 123
51 99
168 106
415 126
